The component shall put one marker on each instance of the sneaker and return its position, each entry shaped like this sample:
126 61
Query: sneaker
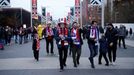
106 64
75 65
61 70
65 65
125 48
89 59
113 63
99 63
92 66
78 62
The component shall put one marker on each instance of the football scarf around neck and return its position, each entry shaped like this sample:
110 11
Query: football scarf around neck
93 33
63 31
37 44
75 37
49 31
75 33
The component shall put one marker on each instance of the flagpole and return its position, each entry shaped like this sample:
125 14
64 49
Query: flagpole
81 13
31 14
102 15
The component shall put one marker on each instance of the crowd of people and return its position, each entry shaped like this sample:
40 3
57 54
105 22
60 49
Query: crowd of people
70 39
19 35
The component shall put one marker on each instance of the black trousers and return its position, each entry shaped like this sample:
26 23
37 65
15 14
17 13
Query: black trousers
93 52
16 38
70 49
47 45
25 38
6 39
76 53
122 38
105 57
9 38
20 39
112 53
36 54
62 56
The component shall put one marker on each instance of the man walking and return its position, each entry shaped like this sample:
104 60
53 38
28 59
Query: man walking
62 40
49 34
93 39
76 43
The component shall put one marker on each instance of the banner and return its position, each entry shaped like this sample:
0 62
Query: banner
34 9
77 3
48 17
77 12
5 3
77 9
68 17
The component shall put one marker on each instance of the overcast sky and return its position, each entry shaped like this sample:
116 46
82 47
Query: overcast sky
57 8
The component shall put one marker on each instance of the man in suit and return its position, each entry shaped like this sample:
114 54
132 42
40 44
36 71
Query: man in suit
49 34
93 40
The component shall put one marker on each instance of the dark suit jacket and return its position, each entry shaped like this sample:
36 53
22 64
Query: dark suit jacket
88 35
103 45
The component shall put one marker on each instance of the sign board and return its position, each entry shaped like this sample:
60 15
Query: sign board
34 9
4 3
77 2
77 9
48 17
95 2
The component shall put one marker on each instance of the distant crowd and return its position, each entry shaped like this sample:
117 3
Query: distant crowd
70 38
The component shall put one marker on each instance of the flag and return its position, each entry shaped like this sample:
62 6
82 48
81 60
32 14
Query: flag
77 9
77 2
34 9
48 16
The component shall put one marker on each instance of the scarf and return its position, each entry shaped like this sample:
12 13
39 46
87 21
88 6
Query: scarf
63 32
37 44
93 33
49 31
75 33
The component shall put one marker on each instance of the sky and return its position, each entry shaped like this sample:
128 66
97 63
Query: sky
57 8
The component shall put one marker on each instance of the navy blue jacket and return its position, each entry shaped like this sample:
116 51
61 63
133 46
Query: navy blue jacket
71 40
103 45
58 39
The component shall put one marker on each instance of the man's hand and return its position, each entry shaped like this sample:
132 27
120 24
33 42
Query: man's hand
111 44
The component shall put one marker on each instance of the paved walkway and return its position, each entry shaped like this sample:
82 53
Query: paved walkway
53 63
130 42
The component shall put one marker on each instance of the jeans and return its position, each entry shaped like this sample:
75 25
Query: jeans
93 51
62 56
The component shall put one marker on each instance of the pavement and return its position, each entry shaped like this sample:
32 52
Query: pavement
18 60
53 63
130 42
